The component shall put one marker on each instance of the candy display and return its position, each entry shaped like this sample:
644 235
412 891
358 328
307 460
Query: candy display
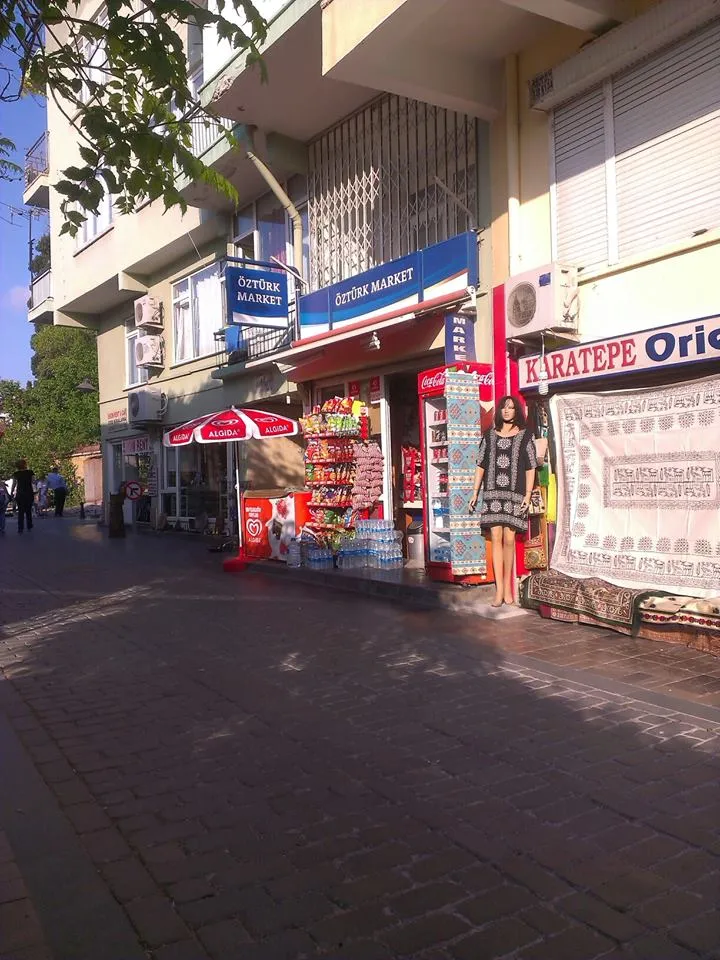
368 475
342 470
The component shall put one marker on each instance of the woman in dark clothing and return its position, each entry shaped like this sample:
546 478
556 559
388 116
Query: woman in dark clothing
24 493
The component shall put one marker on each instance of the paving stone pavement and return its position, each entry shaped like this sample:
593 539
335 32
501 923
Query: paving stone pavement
257 770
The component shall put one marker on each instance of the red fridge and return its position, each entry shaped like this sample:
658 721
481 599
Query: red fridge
437 473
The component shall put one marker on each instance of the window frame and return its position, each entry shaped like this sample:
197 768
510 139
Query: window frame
191 299
131 335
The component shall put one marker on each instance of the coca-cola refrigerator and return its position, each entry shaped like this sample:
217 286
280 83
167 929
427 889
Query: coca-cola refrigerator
446 542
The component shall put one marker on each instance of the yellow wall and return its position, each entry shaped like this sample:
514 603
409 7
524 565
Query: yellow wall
667 285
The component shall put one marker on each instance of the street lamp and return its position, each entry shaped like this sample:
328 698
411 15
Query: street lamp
86 386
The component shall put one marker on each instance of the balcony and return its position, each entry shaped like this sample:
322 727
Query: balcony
37 170
41 306
238 346
206 131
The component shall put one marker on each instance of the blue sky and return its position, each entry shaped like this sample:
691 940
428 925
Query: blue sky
23 123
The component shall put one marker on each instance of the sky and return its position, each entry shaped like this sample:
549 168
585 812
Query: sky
22 122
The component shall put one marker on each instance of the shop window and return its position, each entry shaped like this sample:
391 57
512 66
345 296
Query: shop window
197 305
134 375
195 481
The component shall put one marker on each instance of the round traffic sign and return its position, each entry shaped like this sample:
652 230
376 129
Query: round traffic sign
133 490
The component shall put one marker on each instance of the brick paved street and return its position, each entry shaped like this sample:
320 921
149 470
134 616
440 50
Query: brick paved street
197 765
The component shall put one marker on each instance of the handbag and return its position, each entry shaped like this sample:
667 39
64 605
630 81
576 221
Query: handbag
536 545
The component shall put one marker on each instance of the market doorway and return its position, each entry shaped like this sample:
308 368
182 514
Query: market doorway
404 449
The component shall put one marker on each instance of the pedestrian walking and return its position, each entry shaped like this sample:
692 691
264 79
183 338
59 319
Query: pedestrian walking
22 490
57 484
506 468
4 501
42 498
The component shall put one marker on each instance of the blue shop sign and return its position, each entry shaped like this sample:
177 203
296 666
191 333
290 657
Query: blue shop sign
256 298
436 275
459 338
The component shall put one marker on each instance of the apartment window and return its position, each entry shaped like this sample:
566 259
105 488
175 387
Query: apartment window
197 304
134 375
263 230
96 223
635 160
92 54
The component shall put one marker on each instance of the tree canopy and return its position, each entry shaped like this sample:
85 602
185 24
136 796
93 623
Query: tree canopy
48 419
121 79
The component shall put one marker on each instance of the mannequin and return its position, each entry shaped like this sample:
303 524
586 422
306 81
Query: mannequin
506 469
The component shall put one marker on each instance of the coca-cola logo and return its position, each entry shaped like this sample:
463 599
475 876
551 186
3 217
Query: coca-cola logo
433 382
486 379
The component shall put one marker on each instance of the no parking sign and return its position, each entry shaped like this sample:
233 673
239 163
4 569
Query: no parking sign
133 489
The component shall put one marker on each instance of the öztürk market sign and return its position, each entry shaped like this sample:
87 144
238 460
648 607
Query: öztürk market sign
662 347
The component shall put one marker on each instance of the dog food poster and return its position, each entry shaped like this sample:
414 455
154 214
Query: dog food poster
271 523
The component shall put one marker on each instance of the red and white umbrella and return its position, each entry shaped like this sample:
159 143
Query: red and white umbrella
229 425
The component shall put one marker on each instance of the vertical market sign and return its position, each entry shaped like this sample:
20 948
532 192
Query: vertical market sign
256 298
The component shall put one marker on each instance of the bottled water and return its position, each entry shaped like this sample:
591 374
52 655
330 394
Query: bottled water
294 555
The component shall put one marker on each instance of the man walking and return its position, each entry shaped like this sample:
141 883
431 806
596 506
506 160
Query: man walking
22 490
57 484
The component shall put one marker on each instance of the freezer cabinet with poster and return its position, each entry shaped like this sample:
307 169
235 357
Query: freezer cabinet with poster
455 407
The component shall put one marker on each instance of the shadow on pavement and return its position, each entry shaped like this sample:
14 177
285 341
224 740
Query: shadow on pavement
258 770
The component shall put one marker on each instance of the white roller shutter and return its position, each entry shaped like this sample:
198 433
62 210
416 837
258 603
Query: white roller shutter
667 144
580 188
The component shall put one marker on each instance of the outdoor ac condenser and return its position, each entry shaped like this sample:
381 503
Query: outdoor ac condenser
145 405
148 312
540 300
149 351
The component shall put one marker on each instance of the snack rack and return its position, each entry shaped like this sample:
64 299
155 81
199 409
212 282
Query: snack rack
330 471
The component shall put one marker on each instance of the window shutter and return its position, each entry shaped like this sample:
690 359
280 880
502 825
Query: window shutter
580 187
667 144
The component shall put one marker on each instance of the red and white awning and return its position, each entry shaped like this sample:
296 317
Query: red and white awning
229 425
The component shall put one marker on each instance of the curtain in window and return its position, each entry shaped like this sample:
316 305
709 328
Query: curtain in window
208 305
182 331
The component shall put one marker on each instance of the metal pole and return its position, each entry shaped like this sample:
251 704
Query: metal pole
236 451
287 205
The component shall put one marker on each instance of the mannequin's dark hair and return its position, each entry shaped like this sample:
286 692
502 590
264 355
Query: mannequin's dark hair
518 420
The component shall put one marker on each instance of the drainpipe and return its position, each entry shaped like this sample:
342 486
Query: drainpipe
288 206
512 141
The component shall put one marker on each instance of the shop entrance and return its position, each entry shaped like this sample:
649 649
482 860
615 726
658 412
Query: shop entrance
404 450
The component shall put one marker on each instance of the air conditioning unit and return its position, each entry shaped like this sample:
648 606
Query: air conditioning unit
145 406
149 351
148 312
542 300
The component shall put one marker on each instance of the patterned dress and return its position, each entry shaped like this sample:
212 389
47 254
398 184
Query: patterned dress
505 460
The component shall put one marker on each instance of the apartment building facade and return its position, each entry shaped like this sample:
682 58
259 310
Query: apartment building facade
579 132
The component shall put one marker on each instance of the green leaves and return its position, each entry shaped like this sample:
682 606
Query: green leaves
123 80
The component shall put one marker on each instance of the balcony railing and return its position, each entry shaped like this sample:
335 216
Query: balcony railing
238 344
36 160
206 131
41 289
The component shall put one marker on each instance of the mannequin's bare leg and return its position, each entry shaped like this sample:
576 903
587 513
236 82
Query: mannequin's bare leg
508 563
496 538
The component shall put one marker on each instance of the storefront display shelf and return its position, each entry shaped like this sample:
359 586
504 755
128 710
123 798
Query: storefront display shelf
329 483
439 463
329 462
329 526
332 436
329 505
438 443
